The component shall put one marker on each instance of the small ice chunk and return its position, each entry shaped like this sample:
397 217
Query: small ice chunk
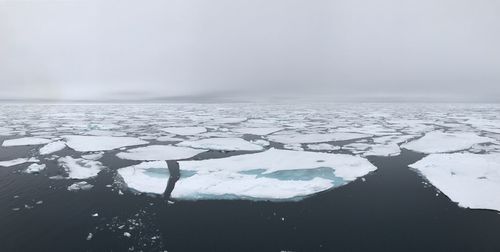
441 142
79 168
471 180
82 185
159 152
93 156
89 237
323 147
126 234
226 144
25 141
35 168
52 147
261 142
185 131
100 143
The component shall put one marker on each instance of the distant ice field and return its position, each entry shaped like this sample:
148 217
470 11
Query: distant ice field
265 151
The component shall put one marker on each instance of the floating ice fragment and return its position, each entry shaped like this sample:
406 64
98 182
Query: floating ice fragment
17 161
257 131
52 147
226 144
100 143
25 141
147 177
441 142
471 180
35 168
323 147
79 168
159 152
296 138
93 156
185 131
82 185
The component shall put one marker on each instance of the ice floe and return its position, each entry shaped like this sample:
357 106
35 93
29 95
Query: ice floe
257 131
471 180
52 147
82 185
34 168
79 168
146 177
226 144
295 138
100 143
441 142
159 152
25 141
17 161
185 131
323 147
273 174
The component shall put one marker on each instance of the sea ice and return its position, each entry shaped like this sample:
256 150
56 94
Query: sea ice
100 143
79 168
257 131
17 161
323 147
273 174
25 141
34 168
159 152
82 185
52 147
471 180
296 138
146 177
226 144
185 131
440 142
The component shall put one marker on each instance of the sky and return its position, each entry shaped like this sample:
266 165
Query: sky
438 50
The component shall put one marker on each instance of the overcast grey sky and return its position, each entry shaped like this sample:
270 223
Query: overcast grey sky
105 49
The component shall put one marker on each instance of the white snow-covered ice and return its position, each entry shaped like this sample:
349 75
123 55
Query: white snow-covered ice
471 180
100 143
52 147
441 142
273 174
25 141
226 144
79 168
185 131
159 152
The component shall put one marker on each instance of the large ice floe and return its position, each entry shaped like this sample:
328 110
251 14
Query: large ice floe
471 180
159 152
441 142
25 141
226 144
100 143
269 175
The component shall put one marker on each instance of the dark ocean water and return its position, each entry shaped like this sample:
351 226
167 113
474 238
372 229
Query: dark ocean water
393 210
